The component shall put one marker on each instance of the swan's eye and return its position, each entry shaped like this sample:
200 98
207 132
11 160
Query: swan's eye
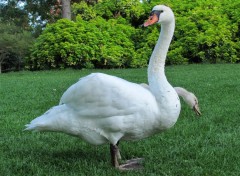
157 12
151 14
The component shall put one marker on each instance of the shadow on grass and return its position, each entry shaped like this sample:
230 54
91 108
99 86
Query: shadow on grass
63 158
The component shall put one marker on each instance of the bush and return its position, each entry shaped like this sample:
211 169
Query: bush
84 44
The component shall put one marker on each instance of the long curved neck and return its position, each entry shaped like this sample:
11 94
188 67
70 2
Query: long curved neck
181 91
156 74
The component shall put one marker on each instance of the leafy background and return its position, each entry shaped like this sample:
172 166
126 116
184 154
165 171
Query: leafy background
108 34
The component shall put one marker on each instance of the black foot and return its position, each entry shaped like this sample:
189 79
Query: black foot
133 164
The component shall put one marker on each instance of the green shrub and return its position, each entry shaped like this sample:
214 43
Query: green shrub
82 44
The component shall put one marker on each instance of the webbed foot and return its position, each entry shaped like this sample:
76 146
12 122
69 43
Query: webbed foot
133 164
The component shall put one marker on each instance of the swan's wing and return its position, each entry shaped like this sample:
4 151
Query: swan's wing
99 95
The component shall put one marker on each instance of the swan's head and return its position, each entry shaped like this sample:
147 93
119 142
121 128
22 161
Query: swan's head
160 14
192 101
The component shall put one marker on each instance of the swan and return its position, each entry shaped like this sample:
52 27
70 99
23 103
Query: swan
187 96
102 109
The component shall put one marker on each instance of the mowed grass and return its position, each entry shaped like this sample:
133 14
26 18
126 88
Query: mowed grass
209 145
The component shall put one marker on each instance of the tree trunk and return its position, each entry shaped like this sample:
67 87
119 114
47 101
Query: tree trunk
66 9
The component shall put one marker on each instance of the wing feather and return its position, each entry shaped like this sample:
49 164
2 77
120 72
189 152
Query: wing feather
107 96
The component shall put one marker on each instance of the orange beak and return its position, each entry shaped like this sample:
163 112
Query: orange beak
151 20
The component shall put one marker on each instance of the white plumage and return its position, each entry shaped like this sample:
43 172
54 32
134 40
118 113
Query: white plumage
100 108
187 96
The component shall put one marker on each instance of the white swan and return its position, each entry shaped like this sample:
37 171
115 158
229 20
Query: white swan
187 96
101 109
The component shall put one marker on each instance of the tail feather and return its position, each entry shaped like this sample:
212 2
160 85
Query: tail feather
37 124
30 127
52 120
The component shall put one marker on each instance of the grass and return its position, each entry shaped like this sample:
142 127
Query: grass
209 145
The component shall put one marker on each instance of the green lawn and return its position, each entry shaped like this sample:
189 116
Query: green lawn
209 145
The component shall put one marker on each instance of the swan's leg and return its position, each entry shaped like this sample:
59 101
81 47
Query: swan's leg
132 164
114 150
118 152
